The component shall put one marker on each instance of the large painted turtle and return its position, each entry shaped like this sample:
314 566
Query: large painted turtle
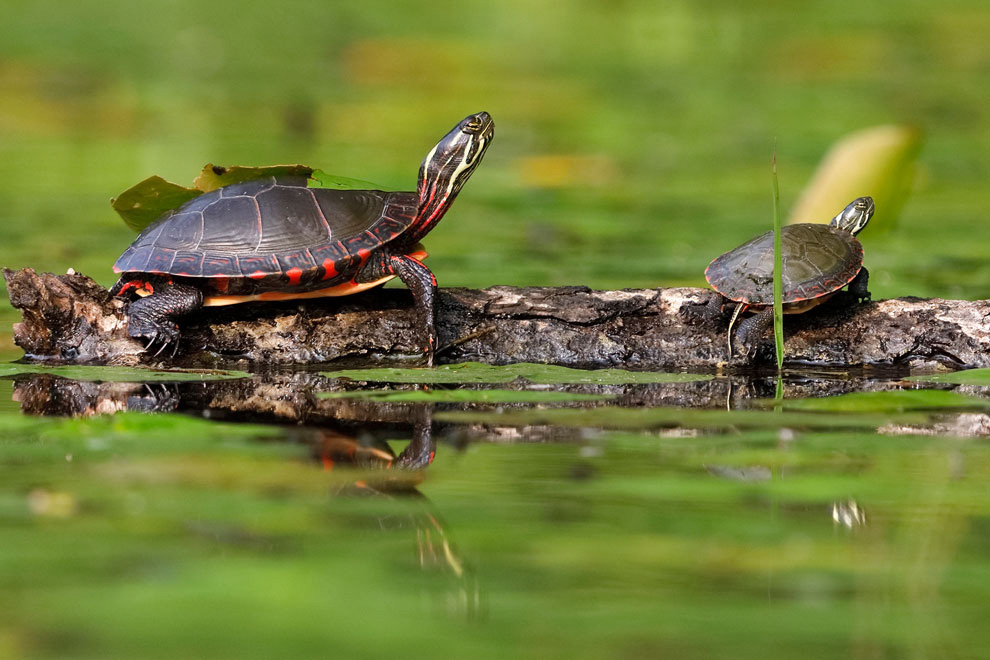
818 261
276 239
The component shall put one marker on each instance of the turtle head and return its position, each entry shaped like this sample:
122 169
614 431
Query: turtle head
855 216
449 165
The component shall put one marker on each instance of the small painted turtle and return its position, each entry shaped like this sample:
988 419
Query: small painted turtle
818 261
277 239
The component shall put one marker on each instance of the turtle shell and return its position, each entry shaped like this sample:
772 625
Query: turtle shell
818 260
271 233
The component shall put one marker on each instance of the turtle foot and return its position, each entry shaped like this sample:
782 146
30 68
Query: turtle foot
711 312
150 318
859 287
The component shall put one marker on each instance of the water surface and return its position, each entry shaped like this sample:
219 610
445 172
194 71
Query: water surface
259 518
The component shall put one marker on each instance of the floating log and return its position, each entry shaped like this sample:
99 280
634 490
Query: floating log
73 319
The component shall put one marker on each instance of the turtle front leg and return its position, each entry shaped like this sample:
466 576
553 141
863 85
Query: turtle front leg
151 318
423 285
859 287
420 281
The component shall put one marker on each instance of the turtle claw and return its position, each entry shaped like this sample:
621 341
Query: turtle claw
161 348
163 344
158 337
431 349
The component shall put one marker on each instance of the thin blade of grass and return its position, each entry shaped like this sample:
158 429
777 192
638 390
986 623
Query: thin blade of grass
778 287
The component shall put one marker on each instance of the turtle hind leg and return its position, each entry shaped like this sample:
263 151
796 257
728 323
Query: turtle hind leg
751 331
859 287
151 318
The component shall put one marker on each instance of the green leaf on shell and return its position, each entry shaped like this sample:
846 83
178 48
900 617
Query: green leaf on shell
214 177
879 161
966 377
145 202
120 374
320 179
466 396
475 372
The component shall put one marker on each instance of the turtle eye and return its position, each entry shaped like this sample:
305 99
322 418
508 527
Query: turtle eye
472 126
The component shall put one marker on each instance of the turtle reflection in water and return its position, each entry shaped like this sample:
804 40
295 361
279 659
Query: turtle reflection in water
277 239
818 261
435 552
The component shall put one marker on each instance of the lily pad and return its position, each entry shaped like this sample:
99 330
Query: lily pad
145 202
120 374
475 372
465 396
892 401
966 377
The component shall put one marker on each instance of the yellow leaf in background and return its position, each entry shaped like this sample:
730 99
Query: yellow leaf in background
879 162
53 504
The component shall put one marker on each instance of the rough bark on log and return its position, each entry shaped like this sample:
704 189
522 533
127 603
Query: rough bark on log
73 319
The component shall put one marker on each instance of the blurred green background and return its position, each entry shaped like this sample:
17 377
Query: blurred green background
632 139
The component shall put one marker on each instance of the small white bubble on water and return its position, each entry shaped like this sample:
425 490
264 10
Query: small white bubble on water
96 444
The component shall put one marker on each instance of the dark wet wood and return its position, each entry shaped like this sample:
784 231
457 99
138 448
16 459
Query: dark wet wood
72 318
